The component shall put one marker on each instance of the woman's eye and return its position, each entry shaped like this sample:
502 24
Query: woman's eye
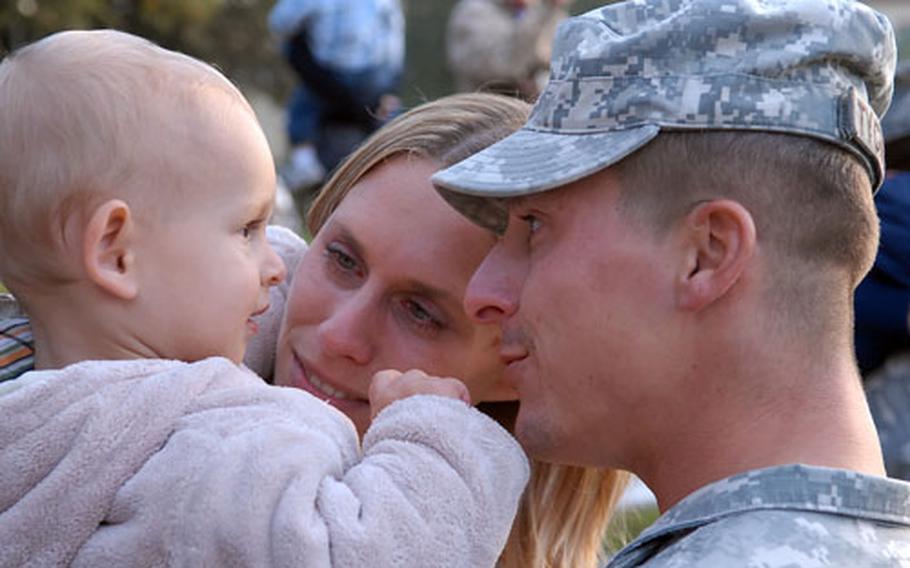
340 259
421 316
417 311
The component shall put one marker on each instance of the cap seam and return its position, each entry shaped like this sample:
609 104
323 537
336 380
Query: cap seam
638 77
804 131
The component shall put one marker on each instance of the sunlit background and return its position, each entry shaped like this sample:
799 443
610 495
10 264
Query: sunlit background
232 34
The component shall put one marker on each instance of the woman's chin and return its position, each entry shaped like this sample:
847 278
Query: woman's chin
358 410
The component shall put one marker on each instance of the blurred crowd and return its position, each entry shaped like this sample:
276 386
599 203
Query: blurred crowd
882 299
348 56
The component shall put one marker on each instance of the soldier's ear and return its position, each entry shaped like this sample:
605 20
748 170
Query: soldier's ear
107 249
719 243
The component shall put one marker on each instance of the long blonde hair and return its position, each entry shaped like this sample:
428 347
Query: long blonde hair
564 513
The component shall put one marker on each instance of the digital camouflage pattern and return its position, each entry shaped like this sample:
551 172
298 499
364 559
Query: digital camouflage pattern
622 73
790 516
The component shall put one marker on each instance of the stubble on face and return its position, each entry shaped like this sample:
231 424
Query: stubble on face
580 317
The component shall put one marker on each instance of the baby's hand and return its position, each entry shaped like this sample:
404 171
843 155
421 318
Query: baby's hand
389 386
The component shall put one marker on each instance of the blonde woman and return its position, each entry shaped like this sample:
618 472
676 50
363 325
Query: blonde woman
382 286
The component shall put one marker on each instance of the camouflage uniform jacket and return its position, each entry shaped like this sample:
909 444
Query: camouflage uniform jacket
786 516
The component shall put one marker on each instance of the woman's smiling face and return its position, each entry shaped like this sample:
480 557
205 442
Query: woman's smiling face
381 287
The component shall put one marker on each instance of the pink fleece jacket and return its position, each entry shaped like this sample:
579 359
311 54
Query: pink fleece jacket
162 463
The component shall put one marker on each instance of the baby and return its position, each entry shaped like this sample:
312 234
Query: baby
135 186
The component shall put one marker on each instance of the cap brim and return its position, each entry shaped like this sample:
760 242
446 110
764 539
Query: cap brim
530 161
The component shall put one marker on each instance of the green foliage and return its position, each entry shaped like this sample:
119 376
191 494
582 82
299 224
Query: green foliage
231 34
426 77
23 21
903 44
626 525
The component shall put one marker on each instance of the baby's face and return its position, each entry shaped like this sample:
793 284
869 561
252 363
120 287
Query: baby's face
205 263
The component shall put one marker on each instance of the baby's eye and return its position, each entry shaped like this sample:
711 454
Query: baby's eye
343 263
250 228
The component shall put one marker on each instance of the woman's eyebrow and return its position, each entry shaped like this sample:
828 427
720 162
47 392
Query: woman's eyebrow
347 236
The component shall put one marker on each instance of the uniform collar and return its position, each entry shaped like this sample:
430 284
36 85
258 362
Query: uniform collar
792 487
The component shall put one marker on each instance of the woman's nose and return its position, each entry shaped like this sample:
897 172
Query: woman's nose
346 331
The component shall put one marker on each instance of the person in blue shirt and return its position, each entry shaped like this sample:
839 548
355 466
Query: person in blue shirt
349 57
882 300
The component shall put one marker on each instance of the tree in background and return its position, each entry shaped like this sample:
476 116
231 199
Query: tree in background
230 34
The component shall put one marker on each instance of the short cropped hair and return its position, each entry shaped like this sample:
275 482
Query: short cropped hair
75 111
811 201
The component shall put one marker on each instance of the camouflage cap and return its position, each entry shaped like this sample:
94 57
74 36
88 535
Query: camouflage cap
622 73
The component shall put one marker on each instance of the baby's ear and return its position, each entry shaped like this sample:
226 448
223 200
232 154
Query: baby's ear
107 249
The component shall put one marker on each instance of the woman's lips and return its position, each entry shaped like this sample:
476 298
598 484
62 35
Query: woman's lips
325 388
313 383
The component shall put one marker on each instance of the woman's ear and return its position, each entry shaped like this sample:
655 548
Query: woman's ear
107 249
720 242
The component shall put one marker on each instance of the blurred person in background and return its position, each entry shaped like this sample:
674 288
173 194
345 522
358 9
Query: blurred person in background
349 57
882 299
503 45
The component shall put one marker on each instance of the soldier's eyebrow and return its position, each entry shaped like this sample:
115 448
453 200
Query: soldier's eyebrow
538 199
515 202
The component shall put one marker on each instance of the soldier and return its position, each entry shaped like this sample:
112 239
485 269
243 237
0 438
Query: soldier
682 223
